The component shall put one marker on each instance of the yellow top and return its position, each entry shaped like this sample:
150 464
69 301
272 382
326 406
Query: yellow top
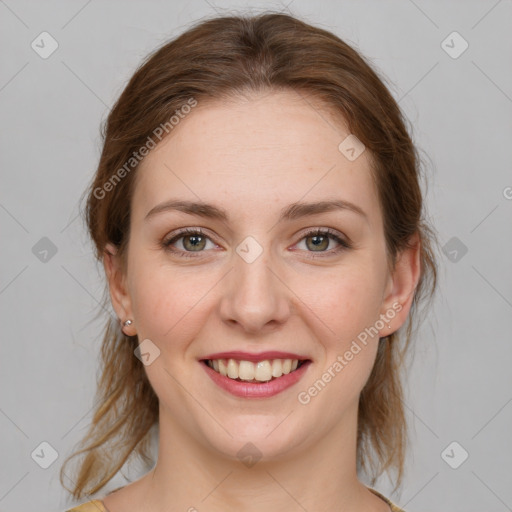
98 506
90 506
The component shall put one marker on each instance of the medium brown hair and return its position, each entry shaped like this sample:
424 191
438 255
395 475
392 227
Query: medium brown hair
215 59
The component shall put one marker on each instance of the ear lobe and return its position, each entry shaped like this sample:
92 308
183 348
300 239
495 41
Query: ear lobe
402 285
116 282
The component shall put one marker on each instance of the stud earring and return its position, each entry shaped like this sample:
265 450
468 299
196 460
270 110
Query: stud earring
127 323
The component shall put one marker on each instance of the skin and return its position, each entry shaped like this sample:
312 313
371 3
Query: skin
253 156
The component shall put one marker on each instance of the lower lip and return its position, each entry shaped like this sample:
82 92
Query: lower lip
256 389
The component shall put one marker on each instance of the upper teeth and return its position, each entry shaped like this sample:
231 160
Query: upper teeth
247 370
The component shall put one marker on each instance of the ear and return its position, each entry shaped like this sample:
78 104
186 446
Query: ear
400 288
119 296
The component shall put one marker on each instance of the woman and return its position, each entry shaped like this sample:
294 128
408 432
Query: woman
258 212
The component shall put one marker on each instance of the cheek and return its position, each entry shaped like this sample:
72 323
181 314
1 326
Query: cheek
165 300
345 301
345 309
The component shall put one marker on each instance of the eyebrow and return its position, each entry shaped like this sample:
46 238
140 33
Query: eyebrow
291 212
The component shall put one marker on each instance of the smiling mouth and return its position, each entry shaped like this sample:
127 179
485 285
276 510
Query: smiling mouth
258 372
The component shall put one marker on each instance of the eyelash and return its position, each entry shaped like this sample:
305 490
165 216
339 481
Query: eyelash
344 245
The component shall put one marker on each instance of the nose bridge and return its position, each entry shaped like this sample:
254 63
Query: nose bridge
255 296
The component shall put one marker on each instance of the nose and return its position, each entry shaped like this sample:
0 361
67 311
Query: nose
254 297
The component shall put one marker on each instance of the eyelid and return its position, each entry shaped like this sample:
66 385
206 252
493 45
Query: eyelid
343 242
168 241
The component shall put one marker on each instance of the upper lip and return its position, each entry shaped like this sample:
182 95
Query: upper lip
254 357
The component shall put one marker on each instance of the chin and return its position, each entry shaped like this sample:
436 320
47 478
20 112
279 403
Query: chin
255 439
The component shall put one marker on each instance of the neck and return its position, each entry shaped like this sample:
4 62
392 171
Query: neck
321 477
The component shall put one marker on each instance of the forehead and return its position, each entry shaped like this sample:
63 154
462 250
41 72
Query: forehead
260 152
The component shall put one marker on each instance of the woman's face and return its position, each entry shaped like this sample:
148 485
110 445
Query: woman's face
258 280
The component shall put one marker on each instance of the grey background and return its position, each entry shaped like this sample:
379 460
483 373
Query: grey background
460 383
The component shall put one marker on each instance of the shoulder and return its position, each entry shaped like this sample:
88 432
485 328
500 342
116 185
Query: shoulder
90 506
392 506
